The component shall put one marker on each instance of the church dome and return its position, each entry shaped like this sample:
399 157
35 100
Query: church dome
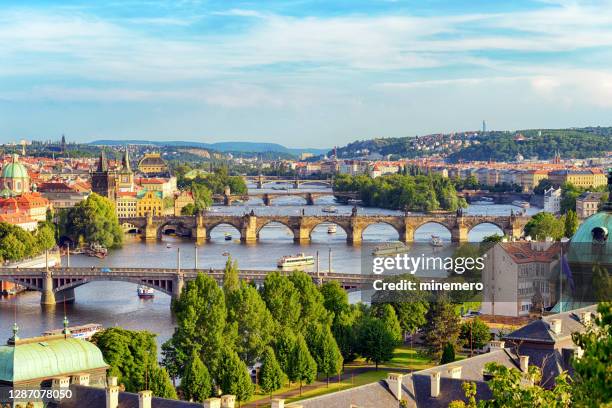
15 170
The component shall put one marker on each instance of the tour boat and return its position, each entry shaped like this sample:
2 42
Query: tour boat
228 236
84 332
168 245
290 261
145 292
329 209
390 248
521 203
436 241
331 229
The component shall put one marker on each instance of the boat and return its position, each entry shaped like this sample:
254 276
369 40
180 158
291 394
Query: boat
353 201
228 236
96 250
291 261
168 245
331 229
329 209
436 241
84 332
390 248
145 292
225 253
488 200
520 203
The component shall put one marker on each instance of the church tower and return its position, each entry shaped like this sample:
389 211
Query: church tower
103 180
125 177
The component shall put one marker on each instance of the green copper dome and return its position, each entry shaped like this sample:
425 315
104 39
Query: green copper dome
14 170
585 231
41 358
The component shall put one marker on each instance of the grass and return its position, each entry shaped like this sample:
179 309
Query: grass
404 357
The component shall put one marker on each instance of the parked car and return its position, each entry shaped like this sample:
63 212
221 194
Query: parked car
105 270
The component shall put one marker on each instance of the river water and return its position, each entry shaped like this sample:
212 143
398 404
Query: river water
116 303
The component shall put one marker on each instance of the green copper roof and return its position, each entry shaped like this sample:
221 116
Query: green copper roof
48 358
584 234
14 170
582 247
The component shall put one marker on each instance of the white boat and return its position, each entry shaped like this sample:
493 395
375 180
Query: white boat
354 201
329 209
145 292
84 332
436 241
291 261
521 203
390 248
331 229
228 236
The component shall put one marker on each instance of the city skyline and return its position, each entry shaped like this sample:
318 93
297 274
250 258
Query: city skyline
300 73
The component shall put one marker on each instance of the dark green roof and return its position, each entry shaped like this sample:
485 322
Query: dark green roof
47 357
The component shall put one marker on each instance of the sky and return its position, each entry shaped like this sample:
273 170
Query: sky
303 73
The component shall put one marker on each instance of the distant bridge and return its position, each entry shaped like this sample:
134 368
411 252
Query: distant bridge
262 180
57 284
309 197
250 225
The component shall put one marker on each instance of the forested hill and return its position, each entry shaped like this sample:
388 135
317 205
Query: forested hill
541 144
494 145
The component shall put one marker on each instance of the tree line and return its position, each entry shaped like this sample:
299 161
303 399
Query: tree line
403 191
17 243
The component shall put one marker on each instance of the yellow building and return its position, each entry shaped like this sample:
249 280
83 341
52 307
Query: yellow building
166 186
182 199
150 202
152 164
579 178
531 178
125 204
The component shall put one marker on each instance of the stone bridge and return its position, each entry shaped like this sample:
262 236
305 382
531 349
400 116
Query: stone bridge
309 197
250 225
262 180
57 284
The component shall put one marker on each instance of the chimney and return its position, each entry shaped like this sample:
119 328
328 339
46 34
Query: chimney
454 372
524 363
112 393
585 318
60 382
81 379
496 345
278 403
394 382
435 384
555 326
212 403
228 401
144 399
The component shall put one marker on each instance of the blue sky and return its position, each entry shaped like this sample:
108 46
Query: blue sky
304 73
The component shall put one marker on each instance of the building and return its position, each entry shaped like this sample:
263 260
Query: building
552 200
181 200
103 179
61 195
15 179
517 275
166 186
544 343
588 204
152 165
125 176
149 202
529 179
34 205
126 204
582 178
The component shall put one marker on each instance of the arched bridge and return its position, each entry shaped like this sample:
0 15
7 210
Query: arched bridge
267 198
262 180
250 225
58 284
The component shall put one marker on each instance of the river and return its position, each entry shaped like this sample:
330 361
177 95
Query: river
116 303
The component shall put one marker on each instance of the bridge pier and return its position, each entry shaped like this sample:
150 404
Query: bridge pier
47 298
178 285
199 231
266 199
309 199
407 235
296 184
301 235
459 234
353 235
248 232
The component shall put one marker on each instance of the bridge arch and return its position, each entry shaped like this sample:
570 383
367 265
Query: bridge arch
160 285
210 228
177 224
424 231
32 284
130 228
272 223
293 199
390 231
322 224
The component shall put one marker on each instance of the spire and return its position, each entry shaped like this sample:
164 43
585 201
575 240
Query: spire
126 161
102 163
15 337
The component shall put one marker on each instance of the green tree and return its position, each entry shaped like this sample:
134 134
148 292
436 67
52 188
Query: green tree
201 316
448 354
271 376
571 223
302 367
443 327
376 340
543 225
282 299
45 236
196 382
160 383
475 333
94 220
335 299
189 209
386 313
231 281
233 376
311 301
593 377
284 345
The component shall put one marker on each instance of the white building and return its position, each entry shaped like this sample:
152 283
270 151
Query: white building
552 200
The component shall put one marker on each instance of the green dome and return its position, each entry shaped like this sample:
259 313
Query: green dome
14 170
592 242
584 234
41 358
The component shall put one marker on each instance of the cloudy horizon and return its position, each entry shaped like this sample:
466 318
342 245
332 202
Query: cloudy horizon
302 73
